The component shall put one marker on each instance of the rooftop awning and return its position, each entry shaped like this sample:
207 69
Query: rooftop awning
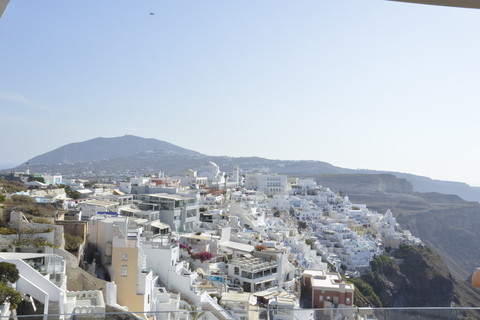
160 225
118 192
197 237
238 246
235 296
35 184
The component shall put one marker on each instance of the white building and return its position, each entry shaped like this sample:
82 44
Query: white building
212 172
270 184
52 179
43 277
181 213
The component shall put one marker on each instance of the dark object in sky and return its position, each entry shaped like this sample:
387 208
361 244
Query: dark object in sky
475 4
152 13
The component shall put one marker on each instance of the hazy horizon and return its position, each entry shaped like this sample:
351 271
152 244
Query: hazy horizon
4 166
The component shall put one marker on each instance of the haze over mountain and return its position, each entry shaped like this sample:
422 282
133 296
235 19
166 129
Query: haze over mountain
104 148
141 156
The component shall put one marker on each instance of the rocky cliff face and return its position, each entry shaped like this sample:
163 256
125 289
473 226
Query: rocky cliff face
446 223
453 233
365 183
416 278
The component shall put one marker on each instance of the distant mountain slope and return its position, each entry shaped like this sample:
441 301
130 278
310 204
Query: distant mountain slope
424 184
418 286
105 148
114 156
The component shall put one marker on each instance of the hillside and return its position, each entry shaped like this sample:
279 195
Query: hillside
105 148
123 156
447 223
419 278
450 228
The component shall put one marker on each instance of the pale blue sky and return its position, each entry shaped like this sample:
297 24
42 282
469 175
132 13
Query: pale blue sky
356 83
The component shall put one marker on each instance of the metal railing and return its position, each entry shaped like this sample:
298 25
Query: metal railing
272 312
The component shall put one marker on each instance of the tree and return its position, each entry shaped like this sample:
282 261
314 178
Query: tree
309 242
27 238
343 267
9 274
302 225
3 196
194 313
72 194
90 184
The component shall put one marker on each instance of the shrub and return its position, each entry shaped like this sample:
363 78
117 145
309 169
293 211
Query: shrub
218 297
184 247
260 247
367 291
13 186
43 220
302 225
8 230
383 260
202 256
429 249
17 199
72 242
33 210
309 242
402 250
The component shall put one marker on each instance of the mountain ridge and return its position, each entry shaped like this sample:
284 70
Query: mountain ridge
147 155
104 148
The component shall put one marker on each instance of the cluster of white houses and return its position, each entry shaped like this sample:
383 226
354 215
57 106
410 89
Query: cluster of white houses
157 246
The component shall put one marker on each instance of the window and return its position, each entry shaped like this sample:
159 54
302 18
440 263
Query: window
321 298
328 298
348 301
124 256
124 270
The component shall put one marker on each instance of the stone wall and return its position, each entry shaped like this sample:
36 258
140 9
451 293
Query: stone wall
78 279
76 228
